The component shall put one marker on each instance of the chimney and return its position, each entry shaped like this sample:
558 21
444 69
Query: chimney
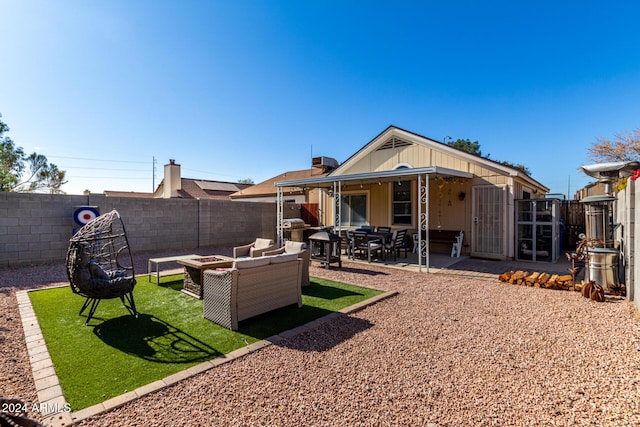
172 179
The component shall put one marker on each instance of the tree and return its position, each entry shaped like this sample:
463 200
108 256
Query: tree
466 145
245 181
521 168
22 173
474 148
625 147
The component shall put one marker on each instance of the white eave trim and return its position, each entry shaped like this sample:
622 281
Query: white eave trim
368 177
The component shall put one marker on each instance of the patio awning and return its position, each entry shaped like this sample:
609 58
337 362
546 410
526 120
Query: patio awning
336 183
374 177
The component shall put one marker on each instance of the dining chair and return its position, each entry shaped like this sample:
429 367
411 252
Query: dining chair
397 243
362 242
346 242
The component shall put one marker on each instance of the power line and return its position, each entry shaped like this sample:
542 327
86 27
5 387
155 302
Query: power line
97 160
105 177
101 169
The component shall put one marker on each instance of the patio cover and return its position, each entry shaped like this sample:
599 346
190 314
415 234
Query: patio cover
334 183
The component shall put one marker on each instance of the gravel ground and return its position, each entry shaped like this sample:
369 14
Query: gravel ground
447 351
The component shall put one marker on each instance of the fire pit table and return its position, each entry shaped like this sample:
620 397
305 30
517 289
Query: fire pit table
194 271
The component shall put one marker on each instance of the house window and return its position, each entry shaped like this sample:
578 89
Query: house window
402 203
353 210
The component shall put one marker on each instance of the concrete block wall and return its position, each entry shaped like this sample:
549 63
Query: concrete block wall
36 228
222 222
627 213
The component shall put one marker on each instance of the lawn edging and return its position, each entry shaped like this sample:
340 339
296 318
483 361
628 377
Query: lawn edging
58 417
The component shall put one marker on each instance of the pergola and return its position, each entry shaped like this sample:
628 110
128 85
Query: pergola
334 183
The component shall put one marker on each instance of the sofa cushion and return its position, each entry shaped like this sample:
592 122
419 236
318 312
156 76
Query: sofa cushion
277 259
250 262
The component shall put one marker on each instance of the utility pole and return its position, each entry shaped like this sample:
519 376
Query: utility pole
153 173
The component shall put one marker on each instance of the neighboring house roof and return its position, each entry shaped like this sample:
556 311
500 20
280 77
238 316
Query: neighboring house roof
203 189
136 194
268 188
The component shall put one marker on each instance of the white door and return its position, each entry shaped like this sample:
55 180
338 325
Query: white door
488 221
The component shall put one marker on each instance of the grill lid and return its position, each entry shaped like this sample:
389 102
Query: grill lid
293 223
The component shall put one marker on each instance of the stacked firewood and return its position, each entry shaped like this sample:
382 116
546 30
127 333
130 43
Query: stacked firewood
561 282
540 280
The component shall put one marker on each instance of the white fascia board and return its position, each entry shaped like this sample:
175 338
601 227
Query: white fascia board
390 175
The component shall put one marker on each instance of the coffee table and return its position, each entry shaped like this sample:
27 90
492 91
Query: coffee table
194 271
158 261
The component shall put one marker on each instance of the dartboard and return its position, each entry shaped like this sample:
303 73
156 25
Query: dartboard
84 214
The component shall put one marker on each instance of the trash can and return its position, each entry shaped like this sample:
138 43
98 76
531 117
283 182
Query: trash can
603 267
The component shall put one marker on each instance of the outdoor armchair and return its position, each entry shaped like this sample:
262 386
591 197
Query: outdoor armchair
254 249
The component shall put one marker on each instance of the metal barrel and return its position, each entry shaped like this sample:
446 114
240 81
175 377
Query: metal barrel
603 267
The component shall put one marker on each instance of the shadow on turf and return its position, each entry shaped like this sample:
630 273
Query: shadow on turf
153 339
326 292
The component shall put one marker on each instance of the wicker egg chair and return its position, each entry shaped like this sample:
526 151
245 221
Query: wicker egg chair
100 265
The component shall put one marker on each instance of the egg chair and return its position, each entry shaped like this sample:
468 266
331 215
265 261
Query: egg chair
99 264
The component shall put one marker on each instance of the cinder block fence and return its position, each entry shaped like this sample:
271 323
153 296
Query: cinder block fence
35 228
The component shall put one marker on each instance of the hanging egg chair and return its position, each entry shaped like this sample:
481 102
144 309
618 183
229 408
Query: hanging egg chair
99 263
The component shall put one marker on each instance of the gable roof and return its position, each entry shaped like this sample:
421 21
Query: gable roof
393 137
267 188
203 189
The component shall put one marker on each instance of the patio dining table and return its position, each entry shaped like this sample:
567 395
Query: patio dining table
384 237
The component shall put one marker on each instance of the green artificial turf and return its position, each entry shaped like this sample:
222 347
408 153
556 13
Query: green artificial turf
117 352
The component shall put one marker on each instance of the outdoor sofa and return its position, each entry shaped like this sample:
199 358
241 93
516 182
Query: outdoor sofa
251 287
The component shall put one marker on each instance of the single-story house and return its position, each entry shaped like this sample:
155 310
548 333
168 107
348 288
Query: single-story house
405 180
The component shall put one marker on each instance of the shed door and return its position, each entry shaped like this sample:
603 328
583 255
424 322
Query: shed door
488 228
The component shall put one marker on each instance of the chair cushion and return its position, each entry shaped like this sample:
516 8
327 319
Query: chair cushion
263 243
294 247
250 262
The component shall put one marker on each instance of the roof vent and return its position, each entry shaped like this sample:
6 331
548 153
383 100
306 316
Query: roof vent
324 163
394 143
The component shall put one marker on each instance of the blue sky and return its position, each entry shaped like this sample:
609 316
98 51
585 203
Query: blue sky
249 89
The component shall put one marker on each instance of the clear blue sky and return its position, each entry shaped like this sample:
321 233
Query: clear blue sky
249 89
